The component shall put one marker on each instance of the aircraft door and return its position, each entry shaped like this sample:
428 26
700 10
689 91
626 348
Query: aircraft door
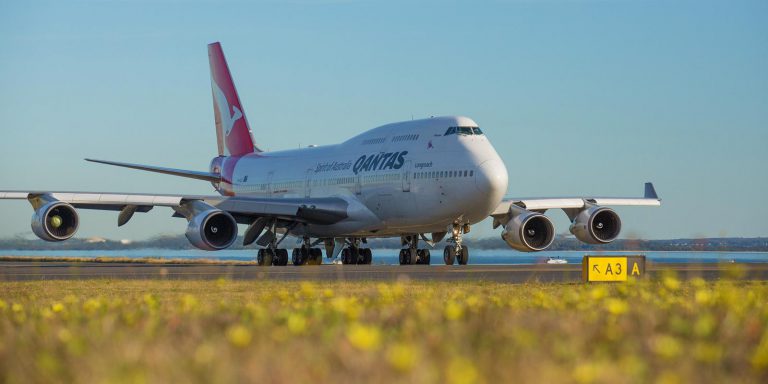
407 176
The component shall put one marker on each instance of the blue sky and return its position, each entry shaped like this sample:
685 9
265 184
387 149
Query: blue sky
579 97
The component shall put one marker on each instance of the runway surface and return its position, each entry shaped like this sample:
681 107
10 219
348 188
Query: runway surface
52 270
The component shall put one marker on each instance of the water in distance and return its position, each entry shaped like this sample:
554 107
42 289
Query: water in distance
389 256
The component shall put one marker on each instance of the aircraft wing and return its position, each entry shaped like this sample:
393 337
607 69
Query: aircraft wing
327 210
650 198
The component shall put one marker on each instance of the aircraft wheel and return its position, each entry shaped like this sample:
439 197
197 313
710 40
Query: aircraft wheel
281 257
299 256
413 256
315 256
260 257
264 257
449 254
464 255
367 255
349 256
424 256
401 257
345 256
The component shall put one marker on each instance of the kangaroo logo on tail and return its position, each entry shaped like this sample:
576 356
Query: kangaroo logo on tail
228 120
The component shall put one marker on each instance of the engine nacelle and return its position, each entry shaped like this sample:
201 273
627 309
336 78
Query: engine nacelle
212 230
596 225
55 221
529 232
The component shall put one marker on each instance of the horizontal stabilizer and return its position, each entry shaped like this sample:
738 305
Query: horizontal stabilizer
212 177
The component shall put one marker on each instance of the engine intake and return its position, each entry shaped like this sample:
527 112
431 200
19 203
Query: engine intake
529 232
55 221
212 230
596 225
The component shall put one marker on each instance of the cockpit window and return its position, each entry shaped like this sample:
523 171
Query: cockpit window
463 131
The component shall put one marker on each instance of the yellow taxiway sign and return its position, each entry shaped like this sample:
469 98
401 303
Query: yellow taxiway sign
612 267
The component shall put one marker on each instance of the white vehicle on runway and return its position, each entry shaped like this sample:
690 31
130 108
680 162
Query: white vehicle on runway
417 180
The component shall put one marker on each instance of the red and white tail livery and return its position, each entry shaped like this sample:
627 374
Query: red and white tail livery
232 129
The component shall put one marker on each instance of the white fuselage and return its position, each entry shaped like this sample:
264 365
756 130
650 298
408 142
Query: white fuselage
408 177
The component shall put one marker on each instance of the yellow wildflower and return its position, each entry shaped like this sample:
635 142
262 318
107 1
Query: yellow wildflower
239 336
402 356
364 337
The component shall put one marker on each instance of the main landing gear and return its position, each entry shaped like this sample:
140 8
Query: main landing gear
306 254
458 251
271 256
412 254
355 254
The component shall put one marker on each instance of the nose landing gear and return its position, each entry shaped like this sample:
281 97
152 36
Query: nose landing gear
457 252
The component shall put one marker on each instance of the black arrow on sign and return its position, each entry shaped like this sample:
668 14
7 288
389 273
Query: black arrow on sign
594 268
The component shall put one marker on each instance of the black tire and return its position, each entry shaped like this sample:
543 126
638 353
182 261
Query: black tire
413 256
282 257
348 256
425 258
464 255
260 257
302 254
401 257
449 254
268 257
367 256
315 256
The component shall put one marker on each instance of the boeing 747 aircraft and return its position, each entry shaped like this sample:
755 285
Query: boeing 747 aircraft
421 180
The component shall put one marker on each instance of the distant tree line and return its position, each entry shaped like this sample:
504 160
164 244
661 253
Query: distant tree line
728 244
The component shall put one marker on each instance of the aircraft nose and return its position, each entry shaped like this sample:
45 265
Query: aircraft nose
491 180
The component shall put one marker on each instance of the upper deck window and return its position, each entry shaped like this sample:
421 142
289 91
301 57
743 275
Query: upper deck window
463 131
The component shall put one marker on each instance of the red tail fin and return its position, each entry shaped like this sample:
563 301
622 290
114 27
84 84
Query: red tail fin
232 130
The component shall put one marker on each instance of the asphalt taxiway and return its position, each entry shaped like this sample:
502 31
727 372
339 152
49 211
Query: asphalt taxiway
52 270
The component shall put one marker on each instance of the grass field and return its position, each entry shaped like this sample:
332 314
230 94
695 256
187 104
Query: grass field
223 331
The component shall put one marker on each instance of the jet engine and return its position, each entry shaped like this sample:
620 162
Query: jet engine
55 221
529 231
596 225
212 230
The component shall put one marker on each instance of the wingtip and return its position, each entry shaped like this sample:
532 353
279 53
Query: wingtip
650 191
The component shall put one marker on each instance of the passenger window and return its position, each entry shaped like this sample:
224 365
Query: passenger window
471 173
